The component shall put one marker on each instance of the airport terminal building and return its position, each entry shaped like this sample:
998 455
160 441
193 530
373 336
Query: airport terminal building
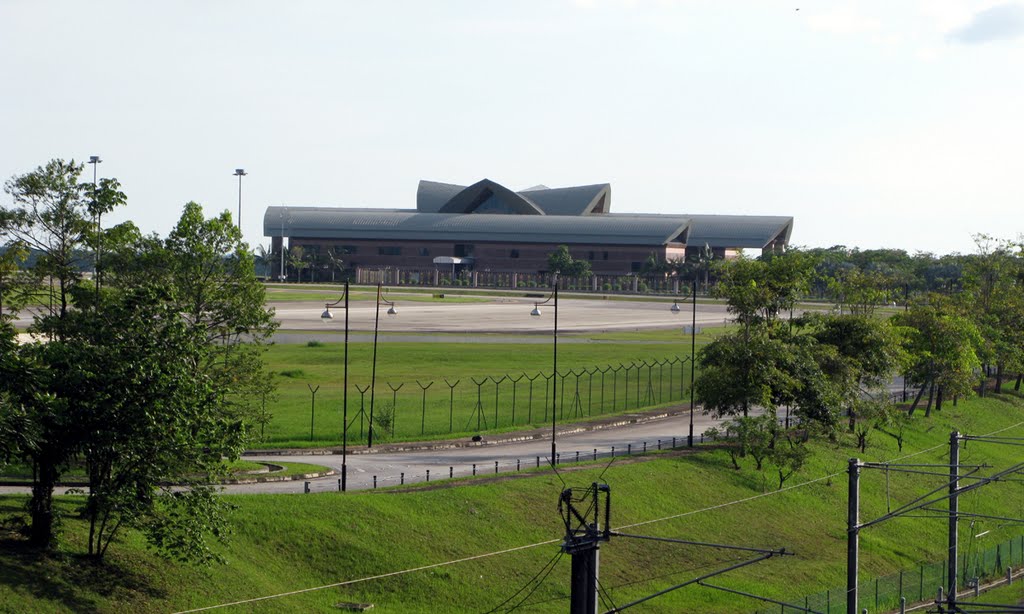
488 227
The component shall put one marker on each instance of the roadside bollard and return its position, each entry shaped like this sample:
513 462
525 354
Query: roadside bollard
375 482
538 461
307 488
474 468
613 451
339 484
517 464
595 453
702 437
629 449
428 475
495 467
659 444
451 472
577 456
558 457
645 447
903 605
402 479
673 442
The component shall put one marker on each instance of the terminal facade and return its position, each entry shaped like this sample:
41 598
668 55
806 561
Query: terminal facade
488 227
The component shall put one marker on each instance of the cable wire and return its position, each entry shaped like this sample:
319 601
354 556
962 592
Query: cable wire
551 562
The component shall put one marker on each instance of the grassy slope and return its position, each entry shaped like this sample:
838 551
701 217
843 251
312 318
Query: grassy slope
284 543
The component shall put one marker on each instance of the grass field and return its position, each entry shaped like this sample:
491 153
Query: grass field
404 370
292 542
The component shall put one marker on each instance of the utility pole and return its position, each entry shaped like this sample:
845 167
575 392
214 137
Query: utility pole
583 535
954 511
853 537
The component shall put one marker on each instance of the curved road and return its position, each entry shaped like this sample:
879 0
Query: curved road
388 466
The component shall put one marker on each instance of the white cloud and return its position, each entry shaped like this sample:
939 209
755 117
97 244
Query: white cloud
1000 22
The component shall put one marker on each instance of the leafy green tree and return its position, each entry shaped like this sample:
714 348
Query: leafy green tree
941 345
789 457
152 381
994 300
562 263
50 215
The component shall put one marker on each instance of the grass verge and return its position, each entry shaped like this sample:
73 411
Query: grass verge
285 543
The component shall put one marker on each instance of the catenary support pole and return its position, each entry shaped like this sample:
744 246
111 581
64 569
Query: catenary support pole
852 536
693 354
954 510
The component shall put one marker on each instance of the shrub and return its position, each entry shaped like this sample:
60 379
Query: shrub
293 373
314 344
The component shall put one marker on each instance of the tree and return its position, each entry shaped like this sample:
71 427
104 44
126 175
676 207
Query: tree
941 347
562 263
50 216
150 382
789 458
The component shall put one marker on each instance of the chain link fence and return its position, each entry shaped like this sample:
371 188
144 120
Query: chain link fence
915 585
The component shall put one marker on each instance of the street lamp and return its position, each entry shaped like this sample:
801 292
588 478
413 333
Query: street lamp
240 172
554 368
280 215
693 350
95 161
327 315
373 370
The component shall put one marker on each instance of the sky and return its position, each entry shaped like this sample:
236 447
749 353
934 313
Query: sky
873 124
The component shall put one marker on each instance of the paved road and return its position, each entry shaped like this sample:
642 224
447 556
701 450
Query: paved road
388 467
502 315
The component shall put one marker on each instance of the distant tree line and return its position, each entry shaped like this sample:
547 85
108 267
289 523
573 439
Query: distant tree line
958 328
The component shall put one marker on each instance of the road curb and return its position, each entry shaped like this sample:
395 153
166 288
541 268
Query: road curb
533 435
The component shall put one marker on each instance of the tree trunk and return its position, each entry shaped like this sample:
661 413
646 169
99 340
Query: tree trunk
1017 385
917 399
999 378
938 399
40 506
931 395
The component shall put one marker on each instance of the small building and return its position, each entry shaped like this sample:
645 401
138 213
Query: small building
488 227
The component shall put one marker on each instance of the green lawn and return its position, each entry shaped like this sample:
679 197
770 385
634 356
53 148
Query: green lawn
285 543
454 411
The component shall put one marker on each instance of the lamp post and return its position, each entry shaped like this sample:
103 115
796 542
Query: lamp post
280 215
554 360
327 315
693 350
373 370
95 161
240 172
693 357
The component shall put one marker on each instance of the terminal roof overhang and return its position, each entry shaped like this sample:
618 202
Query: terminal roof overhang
488 211
407 225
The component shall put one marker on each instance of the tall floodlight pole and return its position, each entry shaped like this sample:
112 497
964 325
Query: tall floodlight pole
693 358
373 370
240 172
554 360
95 161
282 276
327 315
